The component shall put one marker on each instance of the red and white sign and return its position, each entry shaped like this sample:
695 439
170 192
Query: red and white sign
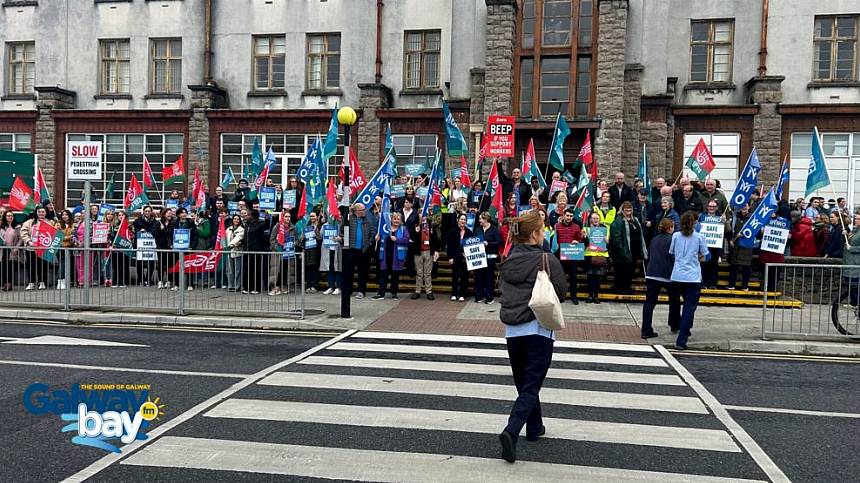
500 136
198 263
84 160
101 231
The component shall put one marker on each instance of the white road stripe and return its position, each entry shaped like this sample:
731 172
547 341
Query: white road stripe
156 433
567 344
575 397
494 370
761 458
802 412
496 353
410 418
373 465
124 369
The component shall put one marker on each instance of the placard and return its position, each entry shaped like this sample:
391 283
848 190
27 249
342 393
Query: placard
289 199
84 160
310 238
568 176
104 208
713 230
571 251
267 198
775 236
414 169
597 239
455 173
500 136
476 255
475 197
289 248
181 238
101 232
171 204
329 233
398 190
233 207
470 221
557 185
145 247
422 192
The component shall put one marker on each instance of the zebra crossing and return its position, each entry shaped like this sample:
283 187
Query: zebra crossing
419 407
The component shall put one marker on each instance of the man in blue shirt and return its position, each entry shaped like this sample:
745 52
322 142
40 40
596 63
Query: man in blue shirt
361 233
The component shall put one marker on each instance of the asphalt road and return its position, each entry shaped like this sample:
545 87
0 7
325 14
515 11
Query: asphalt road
240 406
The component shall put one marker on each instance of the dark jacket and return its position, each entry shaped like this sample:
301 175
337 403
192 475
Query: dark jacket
660 262
518 274
152 226
188 225
525 189
836 243
255 238
493 238
454 244
618 196
624 246
683 205
367 234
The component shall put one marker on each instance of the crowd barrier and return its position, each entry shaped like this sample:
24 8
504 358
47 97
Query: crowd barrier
829 296
215 283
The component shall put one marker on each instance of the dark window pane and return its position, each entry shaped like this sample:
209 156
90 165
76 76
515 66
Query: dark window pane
699 31
334 43
526 75
824 27
699 63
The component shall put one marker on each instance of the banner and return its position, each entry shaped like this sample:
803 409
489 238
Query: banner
470 221
556 153
181 238
775 236
713 229
557 185
817 176
476 255
571 251
310 238
374 186
457 145
289 248
414 169
199 262
104 209
398 190
700 162
747 182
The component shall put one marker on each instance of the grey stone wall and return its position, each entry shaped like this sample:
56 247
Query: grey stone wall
373 96
632 110
203 98
612 32
499 74
766 92
476 103
50 98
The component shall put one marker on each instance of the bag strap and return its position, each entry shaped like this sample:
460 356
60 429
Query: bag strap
545 263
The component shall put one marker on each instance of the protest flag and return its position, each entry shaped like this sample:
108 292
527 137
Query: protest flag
700 162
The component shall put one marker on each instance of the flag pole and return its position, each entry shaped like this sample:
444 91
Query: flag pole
552 145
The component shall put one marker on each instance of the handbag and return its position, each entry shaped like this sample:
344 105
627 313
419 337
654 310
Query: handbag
544 301
598 261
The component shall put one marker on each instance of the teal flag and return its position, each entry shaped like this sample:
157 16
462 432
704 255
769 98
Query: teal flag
457 145
556 153
389 139
256 161
330 146
228 178
817 177
534 171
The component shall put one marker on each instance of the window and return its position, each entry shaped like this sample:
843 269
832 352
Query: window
711 50
20 142
290 149
421 59
585 19
554 81
527 70
269 61
725 148
323 61
22 68
166 57
114 66
583 86
414 149
842 151
556 22
528 27
835 45
123 155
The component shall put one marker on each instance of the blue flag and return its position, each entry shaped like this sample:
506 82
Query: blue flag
643 171
747 182
556 152
375 184
759 218
228 178
384 228
457 145
389 139
783 178
271 160
817 177
312 171
434 173
330 147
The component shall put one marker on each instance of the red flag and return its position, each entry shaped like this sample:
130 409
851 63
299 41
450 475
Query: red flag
222 234
20 195
701 162
134 190
331 201
40 189
174 171
496 187
148 179
261 180
507 249
358 181
485 142
200 199
195 186
282 232
43 235
529 159
303 204
464 172
586 157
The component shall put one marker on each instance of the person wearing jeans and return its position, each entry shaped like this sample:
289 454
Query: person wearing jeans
658 277
689 249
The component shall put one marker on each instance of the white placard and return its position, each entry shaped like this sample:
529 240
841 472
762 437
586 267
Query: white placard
713 233
774 239
476 255
146 247
84 160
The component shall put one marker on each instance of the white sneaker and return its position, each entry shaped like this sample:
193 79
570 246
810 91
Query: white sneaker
160 284
59 284
328 291
336 291
453 298
174 288
42 286
212 286
190 288
461 299
30 286
359 295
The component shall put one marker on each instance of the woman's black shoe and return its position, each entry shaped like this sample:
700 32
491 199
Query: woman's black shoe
509 447
596 300
574 301
648 336
537 436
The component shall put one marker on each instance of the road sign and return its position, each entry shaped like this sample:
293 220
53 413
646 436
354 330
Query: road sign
500 142
84 160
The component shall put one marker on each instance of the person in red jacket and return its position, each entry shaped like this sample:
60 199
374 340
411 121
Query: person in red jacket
566 231
803 239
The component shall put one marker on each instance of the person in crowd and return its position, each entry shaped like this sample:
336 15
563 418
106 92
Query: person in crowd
836 241
485 278
842 207
712 193
850 260
689 249
821 233
310 241
529 343
280 268
602 187
566 231
104 258
66 224
642 210
596 258
459 191
204 230
78 242
515 184
393 251
620 192
812 211
626 247
802 238
163 241
773 273
740 257
411 218
362 229
10 235
457 259
217 196
536 190
688 201
548 232
427 244
445 195
234 241
605 210
120 261
479 200
560 207
658 277
534 203
657 189
710 268
667 210
147 223
243 191
183 222
255 241
37 267
331 260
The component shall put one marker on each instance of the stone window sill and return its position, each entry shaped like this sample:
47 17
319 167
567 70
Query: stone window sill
112 96
824 84
163 96
20 3
421 92
322 92
709 86
271 93
19 97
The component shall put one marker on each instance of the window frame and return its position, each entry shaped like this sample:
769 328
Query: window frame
15 143
834 41
170 59
710 45
422 52
116 61
324 58
270 77
23 63
404 159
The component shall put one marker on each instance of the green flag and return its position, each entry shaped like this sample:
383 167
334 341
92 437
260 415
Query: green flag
109 187
556 153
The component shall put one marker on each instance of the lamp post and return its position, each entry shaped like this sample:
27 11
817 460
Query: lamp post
346 117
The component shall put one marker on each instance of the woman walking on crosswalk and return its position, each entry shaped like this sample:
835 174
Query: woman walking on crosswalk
529 343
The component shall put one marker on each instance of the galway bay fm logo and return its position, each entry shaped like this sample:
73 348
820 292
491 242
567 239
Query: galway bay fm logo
99 415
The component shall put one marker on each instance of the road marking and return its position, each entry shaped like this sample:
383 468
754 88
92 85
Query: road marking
575 397
225 330
124 369
761 458
129 449
496 353
411 418
73 341
802 412
499 340
757 355
493 370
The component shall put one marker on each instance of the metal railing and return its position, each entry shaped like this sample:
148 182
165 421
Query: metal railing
814 302
151 281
